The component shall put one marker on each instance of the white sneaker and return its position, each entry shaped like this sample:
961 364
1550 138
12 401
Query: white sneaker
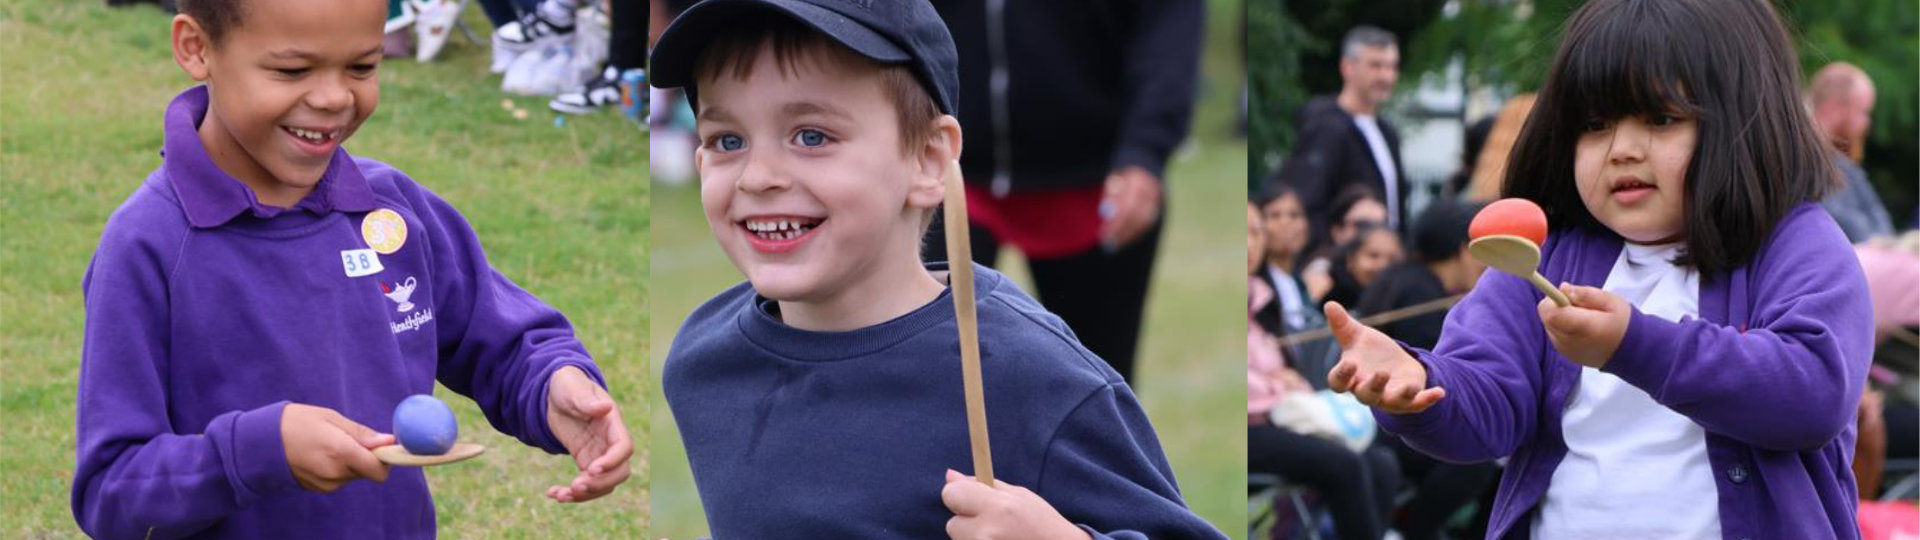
503 57
433 23
534 30
602 91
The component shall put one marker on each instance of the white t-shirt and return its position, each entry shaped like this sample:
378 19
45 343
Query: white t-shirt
1291 303
1634 468
1382 158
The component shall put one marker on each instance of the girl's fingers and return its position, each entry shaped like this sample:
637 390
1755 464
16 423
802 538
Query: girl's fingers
1341 378
1402 391
1377 383
1345 330
1368 391
1426 398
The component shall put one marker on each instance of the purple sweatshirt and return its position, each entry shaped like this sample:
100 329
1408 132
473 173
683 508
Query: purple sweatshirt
1772 369
208 312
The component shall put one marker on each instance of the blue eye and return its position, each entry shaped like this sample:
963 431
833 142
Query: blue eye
728 142
810 138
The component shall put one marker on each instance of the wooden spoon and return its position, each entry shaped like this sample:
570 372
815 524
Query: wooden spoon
398 455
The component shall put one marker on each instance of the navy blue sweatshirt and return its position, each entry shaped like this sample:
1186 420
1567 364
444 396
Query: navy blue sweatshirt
800 434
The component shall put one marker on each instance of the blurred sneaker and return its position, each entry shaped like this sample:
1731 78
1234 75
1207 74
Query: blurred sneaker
600 92
502 58
432 24
546 23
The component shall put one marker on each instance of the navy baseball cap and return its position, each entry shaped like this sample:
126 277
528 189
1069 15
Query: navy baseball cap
902 32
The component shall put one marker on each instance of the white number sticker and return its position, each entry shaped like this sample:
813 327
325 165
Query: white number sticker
361 262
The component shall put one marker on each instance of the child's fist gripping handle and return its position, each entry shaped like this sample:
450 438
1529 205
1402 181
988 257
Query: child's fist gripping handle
1001 511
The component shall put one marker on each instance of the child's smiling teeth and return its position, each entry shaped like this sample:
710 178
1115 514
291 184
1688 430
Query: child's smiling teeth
777 229
311 135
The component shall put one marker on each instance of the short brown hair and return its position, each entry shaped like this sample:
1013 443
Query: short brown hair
732 51
215 16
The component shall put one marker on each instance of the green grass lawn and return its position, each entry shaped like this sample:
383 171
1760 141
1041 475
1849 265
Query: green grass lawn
1193 350
561 210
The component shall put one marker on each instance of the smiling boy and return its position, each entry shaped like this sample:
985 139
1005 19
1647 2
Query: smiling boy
261 303
822 398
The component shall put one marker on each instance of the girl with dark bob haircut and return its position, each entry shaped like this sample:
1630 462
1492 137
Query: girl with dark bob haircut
1757 156
1704 379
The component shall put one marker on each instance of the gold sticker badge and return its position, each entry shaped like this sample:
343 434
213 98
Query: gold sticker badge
384 230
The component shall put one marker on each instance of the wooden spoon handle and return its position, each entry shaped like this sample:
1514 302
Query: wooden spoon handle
960 278
1540 282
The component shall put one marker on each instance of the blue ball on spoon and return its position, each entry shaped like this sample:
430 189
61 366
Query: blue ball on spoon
425 425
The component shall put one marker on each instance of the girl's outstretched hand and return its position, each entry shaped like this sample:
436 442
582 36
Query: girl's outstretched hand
1588 331
1375 369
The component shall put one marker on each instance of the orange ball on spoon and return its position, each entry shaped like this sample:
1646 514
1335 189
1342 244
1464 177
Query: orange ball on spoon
1507 235
1517 217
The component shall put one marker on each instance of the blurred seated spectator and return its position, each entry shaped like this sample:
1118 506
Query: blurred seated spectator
1439 268
1356 486
1357 264
1355 207
1293 310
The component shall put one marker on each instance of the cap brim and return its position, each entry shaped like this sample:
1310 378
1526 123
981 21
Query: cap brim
679 47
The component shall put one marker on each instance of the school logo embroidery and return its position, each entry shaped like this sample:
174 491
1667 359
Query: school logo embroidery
413 322
384 230
400 293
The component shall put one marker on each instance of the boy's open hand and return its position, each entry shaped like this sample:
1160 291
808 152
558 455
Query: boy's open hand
326 450
1377 371
1002 511
1590 329
587 422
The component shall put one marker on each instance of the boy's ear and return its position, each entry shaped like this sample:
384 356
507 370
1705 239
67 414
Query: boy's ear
191 45
942 150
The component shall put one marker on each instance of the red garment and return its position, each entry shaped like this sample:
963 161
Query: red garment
1888 520
1043 224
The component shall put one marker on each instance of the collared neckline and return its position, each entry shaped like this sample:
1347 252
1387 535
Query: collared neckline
211 197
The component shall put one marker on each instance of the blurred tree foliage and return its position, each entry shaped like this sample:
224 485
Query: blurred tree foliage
1274 46
1505 46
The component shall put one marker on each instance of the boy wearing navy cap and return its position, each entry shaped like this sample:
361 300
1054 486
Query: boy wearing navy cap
821 399
258 307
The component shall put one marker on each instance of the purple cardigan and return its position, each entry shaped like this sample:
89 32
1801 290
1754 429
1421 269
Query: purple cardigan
1772 369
